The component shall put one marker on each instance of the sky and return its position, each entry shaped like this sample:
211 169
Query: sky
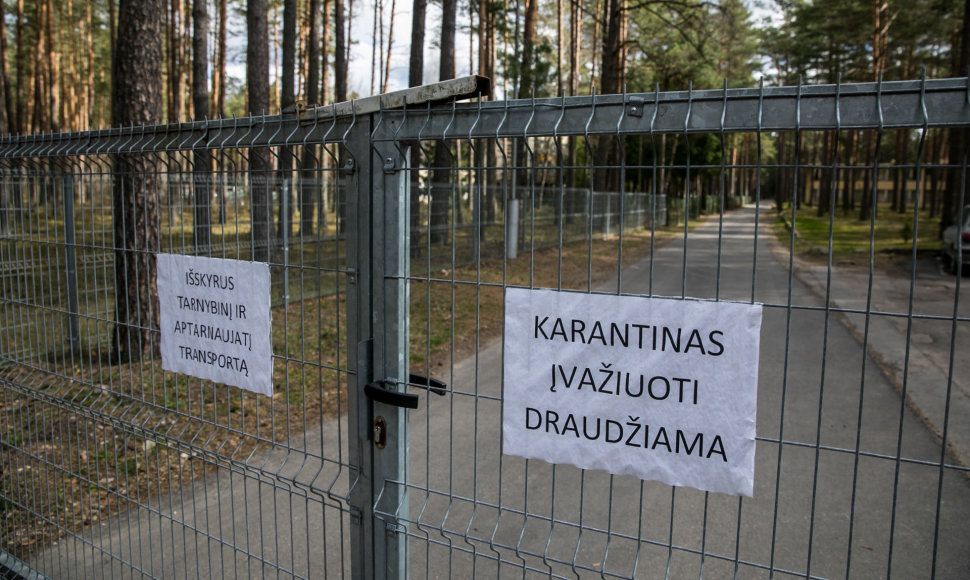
359 82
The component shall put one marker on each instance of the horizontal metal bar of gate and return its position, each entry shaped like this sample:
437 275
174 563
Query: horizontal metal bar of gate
890 104
857 106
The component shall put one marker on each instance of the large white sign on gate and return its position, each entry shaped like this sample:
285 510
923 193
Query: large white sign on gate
662 389
215 319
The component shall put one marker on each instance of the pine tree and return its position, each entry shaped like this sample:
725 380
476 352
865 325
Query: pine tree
287 103
200 102
136 100
441 176
309 174
416 78
257 85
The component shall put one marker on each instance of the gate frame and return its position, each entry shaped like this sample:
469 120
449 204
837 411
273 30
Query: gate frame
378 253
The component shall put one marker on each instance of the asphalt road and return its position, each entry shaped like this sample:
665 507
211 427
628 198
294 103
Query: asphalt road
855 489
820 508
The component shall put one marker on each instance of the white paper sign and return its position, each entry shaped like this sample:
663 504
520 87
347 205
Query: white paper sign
215 319
662 389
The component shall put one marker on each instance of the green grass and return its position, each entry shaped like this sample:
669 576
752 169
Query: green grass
851 236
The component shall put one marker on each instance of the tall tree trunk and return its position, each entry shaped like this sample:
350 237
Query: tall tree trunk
219 74
958 137
89 87
185 49
6 110
19 124
390 46
136 100
900 173
848 174
523 173
441 176
21 65
374 66
936 172
53 70
416 78
340 95
527 65
868 178
325 96
782 172
6 100
472 27
257 84
416 59
322 191
219 90
202 171
350 29
880 31
825 175
485 153
309 176
70 82
41 121
287 103
611 82
880 34
487 66
174 61
595 24
340 53
560 88
574 59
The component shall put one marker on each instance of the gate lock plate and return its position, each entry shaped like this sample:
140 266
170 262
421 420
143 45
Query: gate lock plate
380 391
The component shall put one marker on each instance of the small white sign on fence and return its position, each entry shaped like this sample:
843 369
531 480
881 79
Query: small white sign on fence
215 320
662 389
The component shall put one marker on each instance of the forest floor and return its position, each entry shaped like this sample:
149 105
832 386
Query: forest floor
91 439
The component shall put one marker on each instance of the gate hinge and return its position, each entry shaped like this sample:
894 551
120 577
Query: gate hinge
381 392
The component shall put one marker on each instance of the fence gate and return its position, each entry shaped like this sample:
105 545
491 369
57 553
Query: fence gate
394 227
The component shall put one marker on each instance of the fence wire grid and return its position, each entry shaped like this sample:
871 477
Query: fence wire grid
392 233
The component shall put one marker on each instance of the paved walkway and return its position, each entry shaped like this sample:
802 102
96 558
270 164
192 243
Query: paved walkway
925 339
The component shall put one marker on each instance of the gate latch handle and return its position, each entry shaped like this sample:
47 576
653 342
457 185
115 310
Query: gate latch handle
379 391
434 385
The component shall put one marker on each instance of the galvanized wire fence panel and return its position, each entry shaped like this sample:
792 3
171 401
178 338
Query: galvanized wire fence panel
860 469
115 467
409 224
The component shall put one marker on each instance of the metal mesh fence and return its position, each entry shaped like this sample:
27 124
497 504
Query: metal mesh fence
110 465
407 227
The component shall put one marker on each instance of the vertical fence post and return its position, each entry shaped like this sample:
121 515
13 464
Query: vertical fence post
390 206
608 216
70 248
285 218
476 192
377 254
354 179
512 234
